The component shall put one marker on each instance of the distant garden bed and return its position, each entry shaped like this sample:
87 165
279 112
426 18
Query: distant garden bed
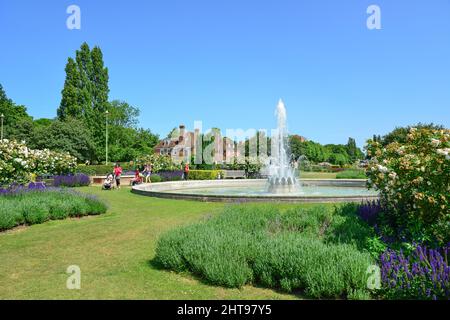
23 206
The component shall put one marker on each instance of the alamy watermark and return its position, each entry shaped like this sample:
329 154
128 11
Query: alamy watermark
374 279
74 280
73 22
374 20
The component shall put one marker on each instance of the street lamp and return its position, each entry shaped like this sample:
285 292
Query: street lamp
2 117
107 113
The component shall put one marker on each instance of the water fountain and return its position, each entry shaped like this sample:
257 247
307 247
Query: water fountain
281 174
281 184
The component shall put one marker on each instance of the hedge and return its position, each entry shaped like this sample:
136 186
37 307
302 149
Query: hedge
100 170
205 174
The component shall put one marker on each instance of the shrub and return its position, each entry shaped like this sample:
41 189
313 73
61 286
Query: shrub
95 206
413 180
351 174
33 212
8 215
18 163
58 210
103 170
154 178
205 174
171 175
252 244
77 180
78 207
158 162
28 206
370 211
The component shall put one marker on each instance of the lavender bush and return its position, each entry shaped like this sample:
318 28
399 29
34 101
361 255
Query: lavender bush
77 180
369 211
423 274
170 175
19 188
25 205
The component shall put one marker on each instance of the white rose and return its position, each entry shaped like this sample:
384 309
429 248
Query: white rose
435 142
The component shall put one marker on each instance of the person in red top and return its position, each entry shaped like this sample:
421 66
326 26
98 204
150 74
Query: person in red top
186 171
137 178
117 174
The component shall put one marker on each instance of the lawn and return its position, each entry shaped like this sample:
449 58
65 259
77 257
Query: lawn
317 175
113 250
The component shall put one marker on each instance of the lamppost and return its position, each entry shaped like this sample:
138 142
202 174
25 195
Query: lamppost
2 117
107 113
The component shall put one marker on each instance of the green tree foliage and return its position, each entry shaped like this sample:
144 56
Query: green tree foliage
334 153
353 151
17 123
70 136
85 93
43 123
85 98
127 142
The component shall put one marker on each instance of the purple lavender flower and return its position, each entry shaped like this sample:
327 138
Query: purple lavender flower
369 211
423 274
76 180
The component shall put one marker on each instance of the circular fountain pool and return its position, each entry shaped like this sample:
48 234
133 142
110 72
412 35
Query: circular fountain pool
310 190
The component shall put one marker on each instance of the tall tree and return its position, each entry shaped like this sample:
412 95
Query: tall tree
352 149
85 93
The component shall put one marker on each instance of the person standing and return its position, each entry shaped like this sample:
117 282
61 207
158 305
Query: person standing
186 171
117 174
150 172
145 173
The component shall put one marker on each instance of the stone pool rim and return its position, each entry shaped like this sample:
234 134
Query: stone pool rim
159 190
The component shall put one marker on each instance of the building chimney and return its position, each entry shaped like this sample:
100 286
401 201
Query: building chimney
182 132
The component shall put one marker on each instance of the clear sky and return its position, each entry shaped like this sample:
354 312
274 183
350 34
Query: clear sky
227 62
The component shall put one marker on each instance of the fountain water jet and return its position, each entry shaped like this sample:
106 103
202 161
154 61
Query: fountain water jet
281 174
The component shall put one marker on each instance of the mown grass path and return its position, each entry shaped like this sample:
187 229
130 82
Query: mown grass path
113 251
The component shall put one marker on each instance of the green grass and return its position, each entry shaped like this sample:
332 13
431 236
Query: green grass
113 250
317 175
351 174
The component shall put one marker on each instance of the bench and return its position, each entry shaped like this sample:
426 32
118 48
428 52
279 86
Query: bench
235 174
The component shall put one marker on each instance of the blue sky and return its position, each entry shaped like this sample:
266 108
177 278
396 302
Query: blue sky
227 62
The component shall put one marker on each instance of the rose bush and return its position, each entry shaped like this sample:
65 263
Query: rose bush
18 162
159 162
413 179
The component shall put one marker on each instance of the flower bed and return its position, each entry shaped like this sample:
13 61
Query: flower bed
302 249
77 180
18 163
33 205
